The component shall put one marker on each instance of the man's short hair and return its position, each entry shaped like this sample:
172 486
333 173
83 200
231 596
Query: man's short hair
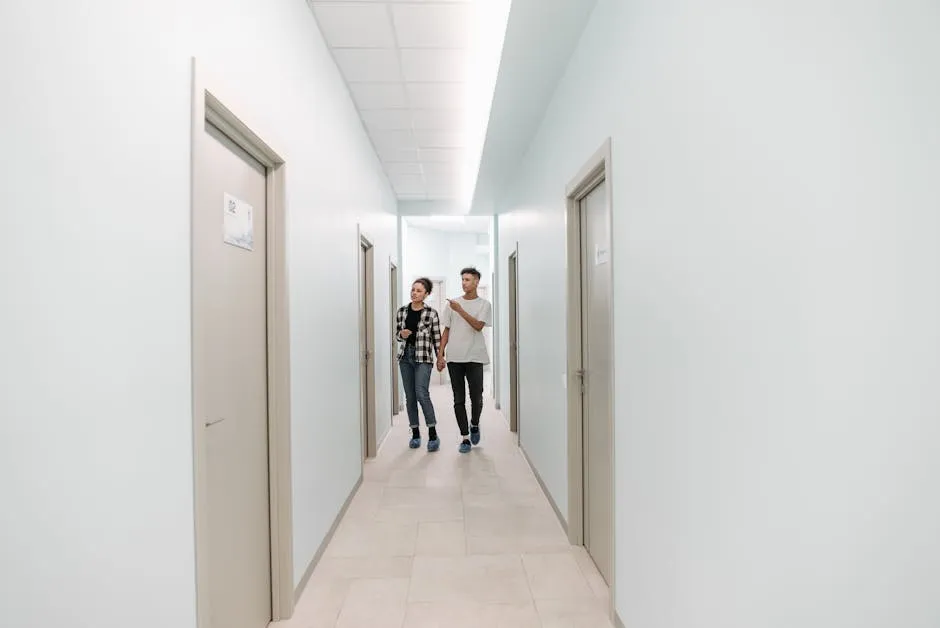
470 270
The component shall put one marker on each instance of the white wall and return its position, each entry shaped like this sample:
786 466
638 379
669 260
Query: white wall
775 258
441 253
95 419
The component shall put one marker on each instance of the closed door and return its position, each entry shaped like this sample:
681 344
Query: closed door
367 351
597 360
230 305
393 310
513 345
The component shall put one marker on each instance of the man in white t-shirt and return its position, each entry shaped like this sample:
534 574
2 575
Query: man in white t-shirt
464 348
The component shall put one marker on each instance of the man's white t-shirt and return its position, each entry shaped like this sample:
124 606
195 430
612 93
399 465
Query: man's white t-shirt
465 344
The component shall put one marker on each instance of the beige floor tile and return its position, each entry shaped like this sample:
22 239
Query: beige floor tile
583 613
375 603
320 605
517 544
373 538
441 538
471 615
590 571
475 578
340 568
556 576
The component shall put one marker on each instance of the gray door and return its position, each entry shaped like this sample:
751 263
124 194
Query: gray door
367 351
393 310
513 344
597 361
230 305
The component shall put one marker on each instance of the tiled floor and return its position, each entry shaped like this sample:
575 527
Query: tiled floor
449 540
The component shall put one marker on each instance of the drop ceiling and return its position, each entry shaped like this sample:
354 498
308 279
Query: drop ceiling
405 63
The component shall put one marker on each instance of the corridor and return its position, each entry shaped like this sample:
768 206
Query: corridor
444 539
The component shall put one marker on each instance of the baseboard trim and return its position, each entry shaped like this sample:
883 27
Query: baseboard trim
617 621
548 495
302 585
388 433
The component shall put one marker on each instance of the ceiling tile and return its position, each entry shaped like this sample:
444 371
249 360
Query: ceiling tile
412 197
408 183
433 65
432 25
436 95
441 186
438 119
440 168
379 95
396 154
384 119
355 25
395 168
440 139
441 154
394 139
363 65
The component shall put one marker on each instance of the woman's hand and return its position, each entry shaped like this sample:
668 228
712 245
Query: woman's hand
440 364
405 333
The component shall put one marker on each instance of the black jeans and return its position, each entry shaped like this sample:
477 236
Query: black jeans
473 373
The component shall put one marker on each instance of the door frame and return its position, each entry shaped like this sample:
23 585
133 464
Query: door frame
512 286
206 107
368 422
393 280
596 170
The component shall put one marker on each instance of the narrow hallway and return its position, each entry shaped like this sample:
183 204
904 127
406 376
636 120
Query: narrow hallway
444 539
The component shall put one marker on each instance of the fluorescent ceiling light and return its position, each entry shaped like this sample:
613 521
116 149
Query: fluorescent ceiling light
488 33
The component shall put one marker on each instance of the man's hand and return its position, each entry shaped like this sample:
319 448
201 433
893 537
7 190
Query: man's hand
405 333
441 364
455 306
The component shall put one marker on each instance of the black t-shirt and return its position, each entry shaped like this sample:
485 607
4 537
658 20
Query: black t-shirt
411 322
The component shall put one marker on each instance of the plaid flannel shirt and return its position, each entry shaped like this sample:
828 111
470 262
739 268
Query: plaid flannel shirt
428 338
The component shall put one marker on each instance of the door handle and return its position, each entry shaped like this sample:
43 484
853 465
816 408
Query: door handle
216 422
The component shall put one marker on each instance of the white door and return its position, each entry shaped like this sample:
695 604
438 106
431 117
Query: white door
230 305
597 361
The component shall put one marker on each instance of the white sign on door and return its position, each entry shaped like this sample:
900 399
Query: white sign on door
238 223
601 256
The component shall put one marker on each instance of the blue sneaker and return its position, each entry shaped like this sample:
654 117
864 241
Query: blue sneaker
475 434
464 447
434 444
414 443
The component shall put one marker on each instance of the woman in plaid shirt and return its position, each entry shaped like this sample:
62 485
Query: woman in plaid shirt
419 336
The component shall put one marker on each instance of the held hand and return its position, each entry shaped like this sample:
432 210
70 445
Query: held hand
455 306
440 364
405 333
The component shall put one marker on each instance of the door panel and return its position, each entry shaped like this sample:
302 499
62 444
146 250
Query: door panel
513 346
393 310
363 350
597 360
231 286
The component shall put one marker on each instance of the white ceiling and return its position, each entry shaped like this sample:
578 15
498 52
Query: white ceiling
406 64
